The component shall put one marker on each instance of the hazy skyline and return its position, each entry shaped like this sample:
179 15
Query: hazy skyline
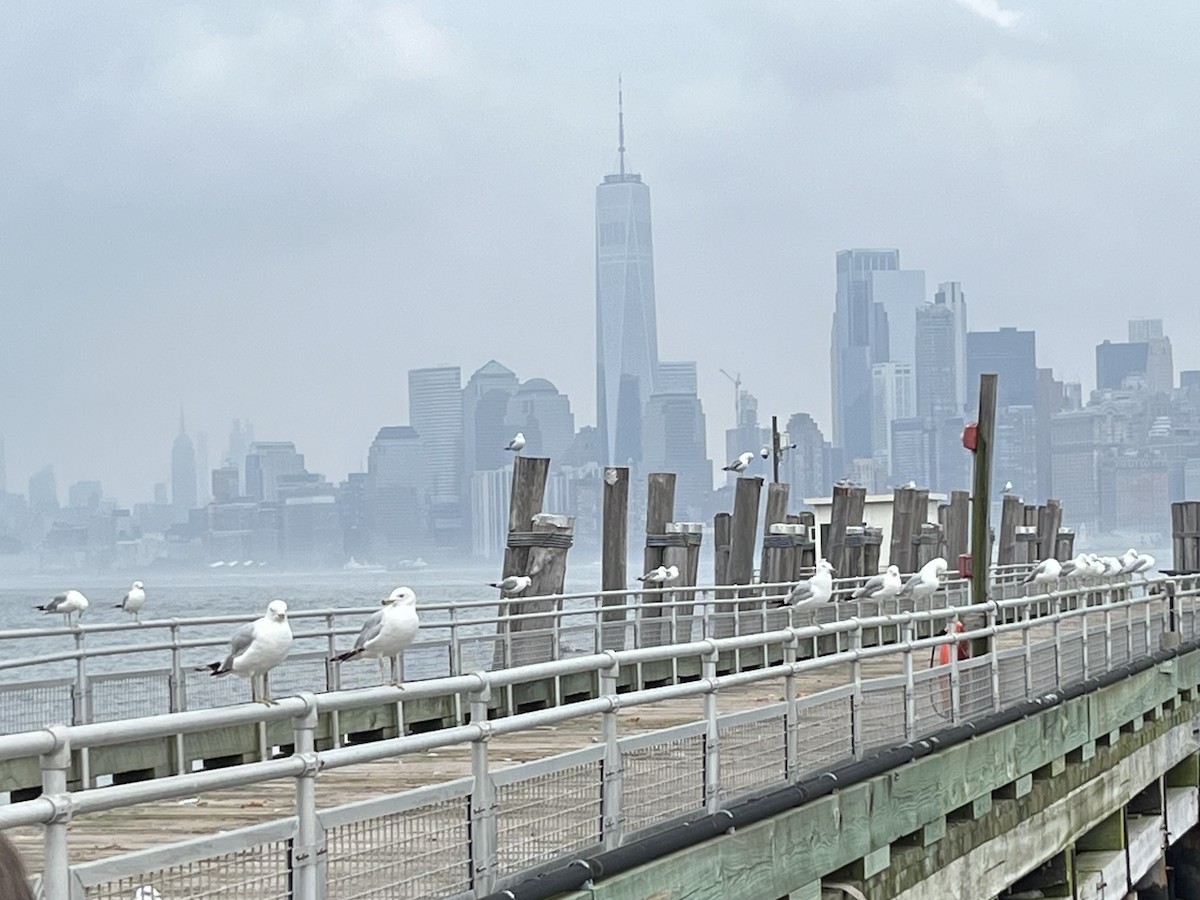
273 212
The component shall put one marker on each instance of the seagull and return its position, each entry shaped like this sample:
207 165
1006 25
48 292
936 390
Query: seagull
72 602
517 444
1076 568
910 486
146 892
1112 565
1128 561
740 464
1007 487
256 649
512 585
655 576
880 587
1145 562
388 633
672 574
1096 567
133 601
1045 573
926 581
818 588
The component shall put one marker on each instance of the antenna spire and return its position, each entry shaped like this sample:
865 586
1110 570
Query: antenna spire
621 123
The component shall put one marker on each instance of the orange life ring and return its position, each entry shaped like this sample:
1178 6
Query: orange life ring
943 650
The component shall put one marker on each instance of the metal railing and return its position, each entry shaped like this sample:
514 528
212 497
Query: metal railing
107 672
469 836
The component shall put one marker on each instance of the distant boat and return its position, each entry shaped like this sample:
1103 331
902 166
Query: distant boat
353 565
248 562
417 563
232 563
217 564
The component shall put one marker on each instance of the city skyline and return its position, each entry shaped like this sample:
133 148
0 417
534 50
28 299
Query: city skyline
326 228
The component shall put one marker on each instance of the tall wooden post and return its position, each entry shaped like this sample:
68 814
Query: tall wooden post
681 548
904 524
722 523
958 520
614 554
806 558
985 433
1049 521
776 453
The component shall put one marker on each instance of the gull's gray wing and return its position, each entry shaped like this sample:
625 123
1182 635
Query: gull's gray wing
125 599
54 604
238 644
873 586
801 592
1035 572
912 582
370 630
1067 568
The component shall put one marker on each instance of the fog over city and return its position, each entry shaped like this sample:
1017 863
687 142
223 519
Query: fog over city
273 211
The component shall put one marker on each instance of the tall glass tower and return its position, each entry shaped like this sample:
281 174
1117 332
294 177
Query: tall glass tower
626 334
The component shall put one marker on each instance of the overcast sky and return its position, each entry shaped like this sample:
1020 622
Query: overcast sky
274 210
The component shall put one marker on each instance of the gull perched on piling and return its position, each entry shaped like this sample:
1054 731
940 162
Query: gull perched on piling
388 633
512 585
655 576
740 464
672 575
133 601
880 587
927 580
256 649
517 444
67 604
817 588
1044 574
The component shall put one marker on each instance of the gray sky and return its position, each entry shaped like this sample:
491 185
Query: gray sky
273 210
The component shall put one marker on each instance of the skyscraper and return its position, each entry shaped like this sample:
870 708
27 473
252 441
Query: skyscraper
395 492
805 465
893 397
901 292
183 474
950 295
676 438
43 492
203 473
485 405
626 333
266 461
435 410
241 436
1012 355
859 340
543 415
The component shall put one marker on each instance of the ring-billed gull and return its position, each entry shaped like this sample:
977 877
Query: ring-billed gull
880 587
517 444
133 601
388 633
816 589
925 582
1044 574
740 464
512 585
67 604
256 649
654 576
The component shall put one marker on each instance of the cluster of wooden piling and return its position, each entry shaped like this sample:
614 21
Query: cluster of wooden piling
1029 533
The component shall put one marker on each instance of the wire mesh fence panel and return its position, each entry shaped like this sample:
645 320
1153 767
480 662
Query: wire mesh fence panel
933 700
28 707
529 647
261 872
483 652
824 734
1138 635
205 691
1120 645
130 695
882 719
1042 672
577 640
662 781
298 673
420 852
1072 658
975 688
753 754
546 816
1012 679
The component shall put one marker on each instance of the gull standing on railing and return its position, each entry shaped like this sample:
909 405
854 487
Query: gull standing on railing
926 581
1075 568
256 649
133 601
70 603
880 587
817 588
512 585
388 633
1044 574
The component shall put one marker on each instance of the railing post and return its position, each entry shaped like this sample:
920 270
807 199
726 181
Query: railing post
56 871
1027 646
483 800
1083 653
791 744
178 681
1058 669
612 818
333 676
1108 664
910 693
308 848
1147 629
994 659
712 735
83 711
856 699
955 678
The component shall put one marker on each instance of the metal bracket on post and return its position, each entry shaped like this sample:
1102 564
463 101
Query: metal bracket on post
483 799
612 817
712 735
308 849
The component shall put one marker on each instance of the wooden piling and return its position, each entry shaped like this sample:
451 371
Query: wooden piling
958 520
1064 547
775 514
906 519
744 530
928 544
1049 521
614 575
985 434
872 547
660 509
682 550
848 506
806 555
1030 535
722 524
1012 514
1185 536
